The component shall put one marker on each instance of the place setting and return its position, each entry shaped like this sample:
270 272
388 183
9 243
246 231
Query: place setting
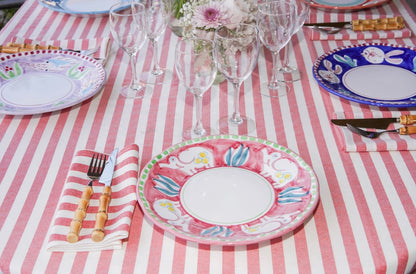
97 202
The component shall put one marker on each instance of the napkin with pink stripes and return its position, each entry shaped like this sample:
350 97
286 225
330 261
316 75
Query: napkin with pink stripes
349 34
352 142
120 210
101 55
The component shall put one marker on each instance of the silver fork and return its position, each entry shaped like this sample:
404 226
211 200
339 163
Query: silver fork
94 172
375 134
96 167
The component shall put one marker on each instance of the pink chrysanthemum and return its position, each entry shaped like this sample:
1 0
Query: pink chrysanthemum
211 15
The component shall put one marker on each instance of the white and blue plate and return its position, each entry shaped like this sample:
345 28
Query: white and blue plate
376 74
81 7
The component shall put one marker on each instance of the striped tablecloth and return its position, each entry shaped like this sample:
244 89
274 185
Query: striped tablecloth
366 218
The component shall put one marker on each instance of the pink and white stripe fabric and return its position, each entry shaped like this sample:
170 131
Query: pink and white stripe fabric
122 204
365 221
101 44
349 34
349 141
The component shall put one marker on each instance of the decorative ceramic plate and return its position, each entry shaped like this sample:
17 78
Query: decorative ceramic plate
373 74
81 7
47 80
227 190
347 4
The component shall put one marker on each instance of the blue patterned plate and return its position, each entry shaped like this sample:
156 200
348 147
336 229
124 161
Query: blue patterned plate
81 7
373 74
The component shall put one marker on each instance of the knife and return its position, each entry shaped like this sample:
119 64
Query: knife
378 123
101 217
390 23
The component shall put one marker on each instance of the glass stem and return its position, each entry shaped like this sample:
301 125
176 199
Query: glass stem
236 117
286 56
198 129
274 81
156 68
134 84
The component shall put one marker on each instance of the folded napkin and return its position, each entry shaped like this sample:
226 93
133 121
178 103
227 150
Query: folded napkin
120 210
75 44
351 142
349 34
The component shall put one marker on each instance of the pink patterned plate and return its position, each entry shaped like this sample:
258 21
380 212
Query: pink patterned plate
227 190
47 80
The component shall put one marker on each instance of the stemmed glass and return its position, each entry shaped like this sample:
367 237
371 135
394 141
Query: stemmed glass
236 53
275 22
197 70
128 29
301 13
157 18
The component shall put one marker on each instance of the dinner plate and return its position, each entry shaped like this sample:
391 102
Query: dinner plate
81 7
373 74
227 190
347 4
47 80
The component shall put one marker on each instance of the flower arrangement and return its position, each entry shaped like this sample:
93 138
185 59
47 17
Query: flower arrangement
200 18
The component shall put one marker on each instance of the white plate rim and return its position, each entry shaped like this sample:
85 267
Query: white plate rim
55 6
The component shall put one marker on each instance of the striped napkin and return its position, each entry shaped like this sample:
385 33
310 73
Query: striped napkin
120 211
349 34
75 44
352 142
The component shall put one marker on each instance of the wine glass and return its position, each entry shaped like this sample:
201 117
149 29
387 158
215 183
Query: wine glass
157 18
275 22
236 53
196 69
128 29
301 13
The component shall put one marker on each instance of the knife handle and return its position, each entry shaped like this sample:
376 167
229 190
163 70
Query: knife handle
407 119
101 217
407 130
79 215
390 23
15 48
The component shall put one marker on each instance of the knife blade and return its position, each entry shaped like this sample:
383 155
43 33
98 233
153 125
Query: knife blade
101 217
378 123
389 23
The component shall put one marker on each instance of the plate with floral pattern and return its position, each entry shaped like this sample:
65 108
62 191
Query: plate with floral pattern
93 8
227 190
47 80
374 74
346 4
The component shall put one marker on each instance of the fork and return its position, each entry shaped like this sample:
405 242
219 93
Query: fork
376 134
94 172
327 30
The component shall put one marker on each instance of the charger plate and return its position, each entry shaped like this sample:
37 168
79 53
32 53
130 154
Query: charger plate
48 80
227 190
374 74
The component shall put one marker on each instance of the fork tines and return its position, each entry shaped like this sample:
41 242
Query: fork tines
97 165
